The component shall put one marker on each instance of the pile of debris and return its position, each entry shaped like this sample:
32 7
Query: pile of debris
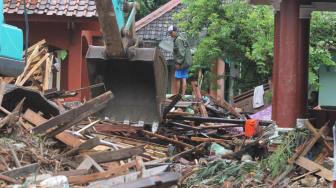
198 144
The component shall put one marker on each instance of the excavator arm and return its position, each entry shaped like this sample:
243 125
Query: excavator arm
11 48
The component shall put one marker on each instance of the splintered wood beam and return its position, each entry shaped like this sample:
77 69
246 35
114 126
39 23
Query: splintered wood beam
312 166
228 107
65 137
9 179
320 133
73 116
84 179
12 117
23 171
89 144
108 156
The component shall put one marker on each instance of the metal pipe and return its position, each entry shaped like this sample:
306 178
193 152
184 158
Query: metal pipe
216 120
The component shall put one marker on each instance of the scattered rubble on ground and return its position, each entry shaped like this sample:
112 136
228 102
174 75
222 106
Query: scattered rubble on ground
198 144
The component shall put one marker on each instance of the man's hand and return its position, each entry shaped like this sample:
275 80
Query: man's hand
177 66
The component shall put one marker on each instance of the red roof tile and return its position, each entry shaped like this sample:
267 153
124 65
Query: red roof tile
76 8
156 14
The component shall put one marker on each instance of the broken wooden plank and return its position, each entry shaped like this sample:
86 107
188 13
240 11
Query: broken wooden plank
9 179
203 111
184 145
201 139
311 166
75 115
88 163
175 100
87 126
16 159
71 173
13 116
165 179
33 69
110 128
227 107
2 90
108 156
319 133
65 137
23 171
128 177
184 126
84 179
306 174
89 144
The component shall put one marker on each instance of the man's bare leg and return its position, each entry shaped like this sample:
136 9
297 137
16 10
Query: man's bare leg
184 86
177 86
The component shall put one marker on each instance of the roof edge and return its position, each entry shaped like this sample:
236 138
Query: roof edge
156 14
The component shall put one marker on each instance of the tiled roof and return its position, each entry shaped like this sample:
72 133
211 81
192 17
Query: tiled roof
153 28
76 8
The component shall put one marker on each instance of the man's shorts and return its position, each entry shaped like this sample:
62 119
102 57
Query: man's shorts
181 73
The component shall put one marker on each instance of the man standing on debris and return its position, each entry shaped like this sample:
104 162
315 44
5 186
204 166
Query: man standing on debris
183 60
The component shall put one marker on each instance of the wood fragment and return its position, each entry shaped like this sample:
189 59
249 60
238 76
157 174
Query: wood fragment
175 100
184 145
16 159
311 166
34 68
88 163
23 171
9 179
65 137
108 156
84 179
73 116
203 111
306 174
71 173
319 134
228 107
201 139
2 90
89 144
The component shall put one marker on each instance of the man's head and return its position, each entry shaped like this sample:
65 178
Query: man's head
172 31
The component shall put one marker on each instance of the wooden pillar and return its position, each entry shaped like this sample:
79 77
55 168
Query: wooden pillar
75 63
276 62
218 85
304 36
287 87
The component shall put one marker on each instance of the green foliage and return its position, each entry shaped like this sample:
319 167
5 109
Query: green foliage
235 31
277 162
244 35
220 170
148 6
322 43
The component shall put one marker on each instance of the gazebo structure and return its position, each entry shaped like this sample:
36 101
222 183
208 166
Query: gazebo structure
291 56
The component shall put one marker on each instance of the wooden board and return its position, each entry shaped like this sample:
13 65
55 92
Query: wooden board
108 156
23 171
311 166
79 180
65 137
75 115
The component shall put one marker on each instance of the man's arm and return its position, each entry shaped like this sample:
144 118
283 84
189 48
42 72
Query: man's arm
180 51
